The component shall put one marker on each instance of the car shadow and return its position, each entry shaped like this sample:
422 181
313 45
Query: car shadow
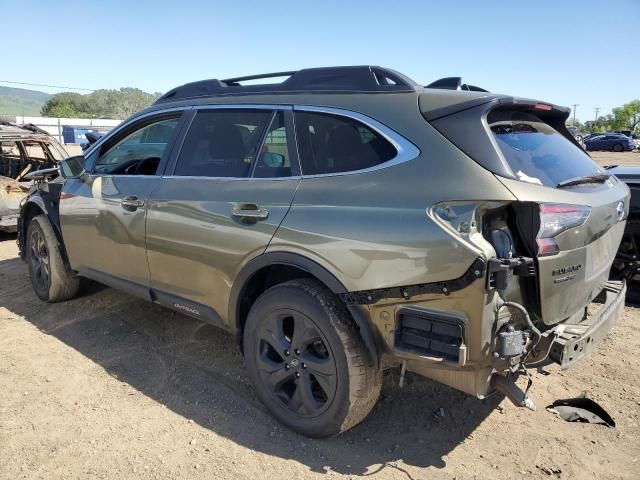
196 371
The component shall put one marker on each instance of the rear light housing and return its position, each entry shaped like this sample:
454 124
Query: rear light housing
556 218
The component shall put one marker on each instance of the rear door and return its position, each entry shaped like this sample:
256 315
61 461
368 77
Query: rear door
219 205
579 210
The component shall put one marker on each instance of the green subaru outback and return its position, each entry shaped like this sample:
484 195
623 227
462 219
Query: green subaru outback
344 221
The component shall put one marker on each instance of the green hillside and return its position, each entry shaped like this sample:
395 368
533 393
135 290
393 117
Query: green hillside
20 101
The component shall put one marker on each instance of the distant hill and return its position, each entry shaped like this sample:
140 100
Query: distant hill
20 101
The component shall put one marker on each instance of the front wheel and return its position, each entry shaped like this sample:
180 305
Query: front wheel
618 147
307 360
51 278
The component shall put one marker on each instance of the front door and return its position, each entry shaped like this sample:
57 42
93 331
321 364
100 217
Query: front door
231 186
102 214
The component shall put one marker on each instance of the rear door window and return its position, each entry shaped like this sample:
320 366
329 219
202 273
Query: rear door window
274 159
535 151
335 144
225 143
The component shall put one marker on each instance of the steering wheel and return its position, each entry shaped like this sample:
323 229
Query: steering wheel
150 164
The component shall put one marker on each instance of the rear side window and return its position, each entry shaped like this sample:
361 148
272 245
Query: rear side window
223 143
335 144
535 151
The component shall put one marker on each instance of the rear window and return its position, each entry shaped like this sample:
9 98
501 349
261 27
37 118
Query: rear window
535 151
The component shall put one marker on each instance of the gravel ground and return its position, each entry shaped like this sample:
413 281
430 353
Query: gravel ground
107 386
612 158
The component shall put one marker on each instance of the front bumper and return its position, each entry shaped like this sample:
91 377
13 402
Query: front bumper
570 343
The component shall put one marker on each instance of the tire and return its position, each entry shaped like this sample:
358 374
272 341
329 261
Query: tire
51 278
618 147
330 383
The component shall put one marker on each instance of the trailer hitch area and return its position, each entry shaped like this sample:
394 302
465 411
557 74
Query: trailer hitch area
507 386
502 269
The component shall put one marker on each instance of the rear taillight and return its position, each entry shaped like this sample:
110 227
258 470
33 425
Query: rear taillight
556 218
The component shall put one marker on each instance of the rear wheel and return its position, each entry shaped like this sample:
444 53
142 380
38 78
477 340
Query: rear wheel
618 147
307 360
52 280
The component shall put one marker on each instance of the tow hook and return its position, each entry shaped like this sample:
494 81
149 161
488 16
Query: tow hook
508 387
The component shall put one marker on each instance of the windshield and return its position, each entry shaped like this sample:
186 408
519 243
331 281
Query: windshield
536 152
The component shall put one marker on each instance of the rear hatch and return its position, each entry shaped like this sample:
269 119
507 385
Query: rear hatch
570 215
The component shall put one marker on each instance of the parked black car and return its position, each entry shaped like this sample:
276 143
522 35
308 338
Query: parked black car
611 141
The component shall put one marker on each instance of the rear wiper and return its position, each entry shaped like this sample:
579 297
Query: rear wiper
595 178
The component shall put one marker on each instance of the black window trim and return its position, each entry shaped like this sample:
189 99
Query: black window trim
405 150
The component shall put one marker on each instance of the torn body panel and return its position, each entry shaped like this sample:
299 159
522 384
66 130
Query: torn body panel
11 194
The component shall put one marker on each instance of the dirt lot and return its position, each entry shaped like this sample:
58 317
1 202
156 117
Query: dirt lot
106 386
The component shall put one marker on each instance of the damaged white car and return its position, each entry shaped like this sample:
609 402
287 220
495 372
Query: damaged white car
23 149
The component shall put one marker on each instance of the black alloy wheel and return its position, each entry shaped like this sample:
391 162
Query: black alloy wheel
307 360
295 362
39 259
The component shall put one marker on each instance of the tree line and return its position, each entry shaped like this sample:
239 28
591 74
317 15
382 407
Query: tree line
116 104
626 117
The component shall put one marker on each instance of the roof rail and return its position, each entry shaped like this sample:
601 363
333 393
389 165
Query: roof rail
454 83
351 79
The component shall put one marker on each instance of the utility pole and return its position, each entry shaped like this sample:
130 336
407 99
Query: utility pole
597 109
575 106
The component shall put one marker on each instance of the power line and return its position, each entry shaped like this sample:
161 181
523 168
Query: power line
49 86
575 107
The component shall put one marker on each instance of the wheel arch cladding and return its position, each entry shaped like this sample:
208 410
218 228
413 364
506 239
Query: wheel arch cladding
270 269
36 206
29 210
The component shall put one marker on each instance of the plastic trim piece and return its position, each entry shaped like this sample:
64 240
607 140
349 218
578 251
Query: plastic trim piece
368 297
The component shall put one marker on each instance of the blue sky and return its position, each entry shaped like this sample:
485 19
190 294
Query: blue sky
585 52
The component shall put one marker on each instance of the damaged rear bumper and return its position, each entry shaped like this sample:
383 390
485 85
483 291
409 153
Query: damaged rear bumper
571 342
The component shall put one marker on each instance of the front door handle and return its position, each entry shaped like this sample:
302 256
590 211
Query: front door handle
131 203
249 211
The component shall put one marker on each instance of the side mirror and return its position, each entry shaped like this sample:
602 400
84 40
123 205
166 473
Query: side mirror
72 167
273 160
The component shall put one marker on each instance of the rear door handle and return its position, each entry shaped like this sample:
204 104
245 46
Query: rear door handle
249 211
131 203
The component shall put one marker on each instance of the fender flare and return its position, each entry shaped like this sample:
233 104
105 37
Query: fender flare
40 203
314 269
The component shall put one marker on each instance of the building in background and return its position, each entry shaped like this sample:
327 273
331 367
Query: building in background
65 130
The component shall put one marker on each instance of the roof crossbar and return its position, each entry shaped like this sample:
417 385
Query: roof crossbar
236 80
